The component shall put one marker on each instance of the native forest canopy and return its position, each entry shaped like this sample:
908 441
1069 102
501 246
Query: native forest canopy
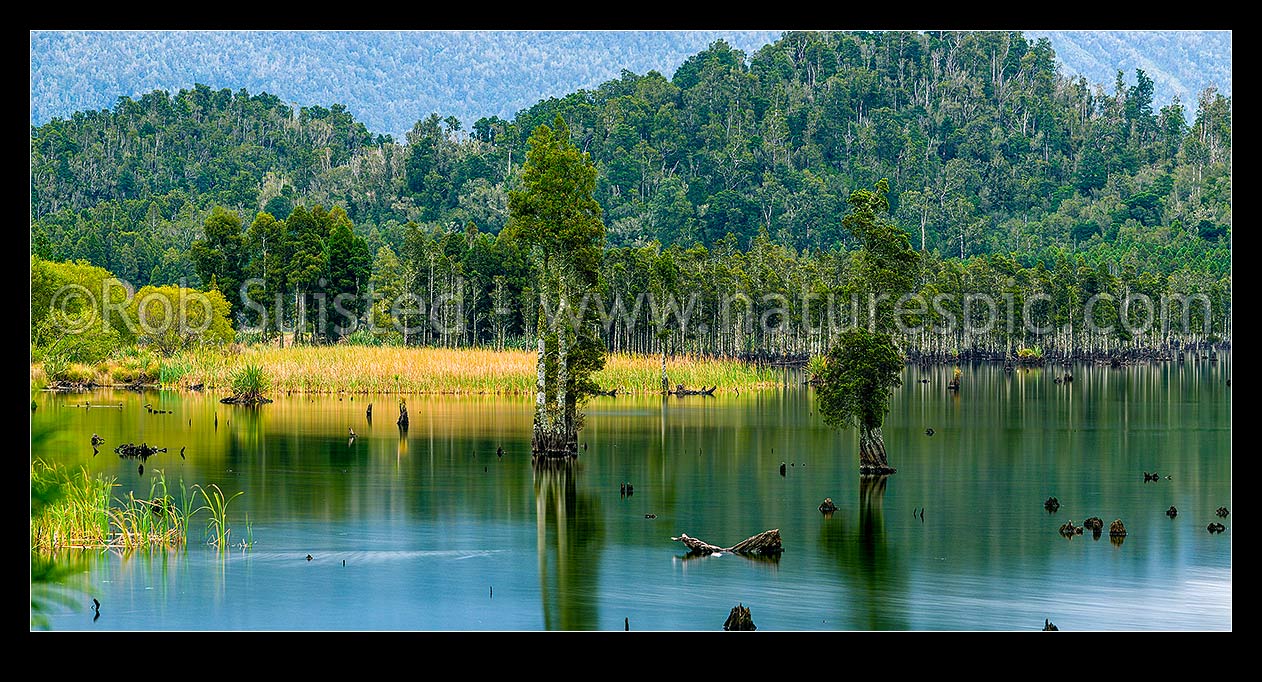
731 175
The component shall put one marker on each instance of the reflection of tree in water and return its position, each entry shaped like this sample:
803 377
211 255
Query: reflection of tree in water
246 443
875 572
569 538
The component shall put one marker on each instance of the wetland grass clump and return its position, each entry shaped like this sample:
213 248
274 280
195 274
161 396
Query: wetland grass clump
75 515
249 384
153 522
83 514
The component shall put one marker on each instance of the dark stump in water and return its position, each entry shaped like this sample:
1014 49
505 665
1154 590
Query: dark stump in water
739 619
1052 504
1049 626
403 416
1222 512
554 443
1215 528
1095 524
1068 529
827 506
1117 529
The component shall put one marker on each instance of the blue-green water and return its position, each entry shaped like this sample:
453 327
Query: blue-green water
438 533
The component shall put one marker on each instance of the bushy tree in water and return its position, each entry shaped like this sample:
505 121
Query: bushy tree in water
854 387
555 216
865 365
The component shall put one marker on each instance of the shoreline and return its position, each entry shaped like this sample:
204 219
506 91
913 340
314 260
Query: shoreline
765 373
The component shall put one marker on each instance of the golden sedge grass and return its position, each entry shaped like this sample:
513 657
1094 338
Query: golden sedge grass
386 369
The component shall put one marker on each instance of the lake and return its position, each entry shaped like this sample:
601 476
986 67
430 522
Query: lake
433 531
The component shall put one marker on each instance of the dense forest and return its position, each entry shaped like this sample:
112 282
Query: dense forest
731 176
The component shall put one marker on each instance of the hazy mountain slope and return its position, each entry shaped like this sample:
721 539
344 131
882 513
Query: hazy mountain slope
1180 62
388 80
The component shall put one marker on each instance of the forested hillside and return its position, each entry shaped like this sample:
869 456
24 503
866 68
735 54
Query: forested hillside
989 151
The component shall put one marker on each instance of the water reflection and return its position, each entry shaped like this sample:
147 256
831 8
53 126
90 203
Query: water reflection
708 467
569 536
875 574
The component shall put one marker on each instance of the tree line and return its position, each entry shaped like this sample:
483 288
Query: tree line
730 177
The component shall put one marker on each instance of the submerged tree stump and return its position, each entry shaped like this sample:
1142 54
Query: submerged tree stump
1117 529
403 416
680 389
766 543
250 399
739 620
554 443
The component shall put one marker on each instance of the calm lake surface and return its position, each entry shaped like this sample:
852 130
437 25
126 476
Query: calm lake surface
437 533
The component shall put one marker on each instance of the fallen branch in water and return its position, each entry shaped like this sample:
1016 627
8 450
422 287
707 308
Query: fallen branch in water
765 543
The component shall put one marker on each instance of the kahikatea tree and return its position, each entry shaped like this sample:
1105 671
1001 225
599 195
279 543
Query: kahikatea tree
865 365
554 215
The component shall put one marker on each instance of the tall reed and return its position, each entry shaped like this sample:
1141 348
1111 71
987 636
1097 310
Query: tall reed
83 515
217 506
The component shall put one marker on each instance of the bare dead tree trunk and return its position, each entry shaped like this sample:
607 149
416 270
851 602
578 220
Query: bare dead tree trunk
541 396
563 378
665 380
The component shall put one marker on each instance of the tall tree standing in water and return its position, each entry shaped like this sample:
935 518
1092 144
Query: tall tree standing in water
554 215
864 365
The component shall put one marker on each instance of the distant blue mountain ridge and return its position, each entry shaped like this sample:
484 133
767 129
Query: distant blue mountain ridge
391 79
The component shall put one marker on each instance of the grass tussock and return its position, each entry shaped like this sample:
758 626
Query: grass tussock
250 383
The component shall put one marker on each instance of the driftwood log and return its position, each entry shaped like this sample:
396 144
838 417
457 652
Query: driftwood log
765 543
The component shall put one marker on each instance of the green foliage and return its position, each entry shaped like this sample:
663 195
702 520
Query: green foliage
1030 353
75 311
250 382
858 375
885 263
556 218
173 318
815 366
221 254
